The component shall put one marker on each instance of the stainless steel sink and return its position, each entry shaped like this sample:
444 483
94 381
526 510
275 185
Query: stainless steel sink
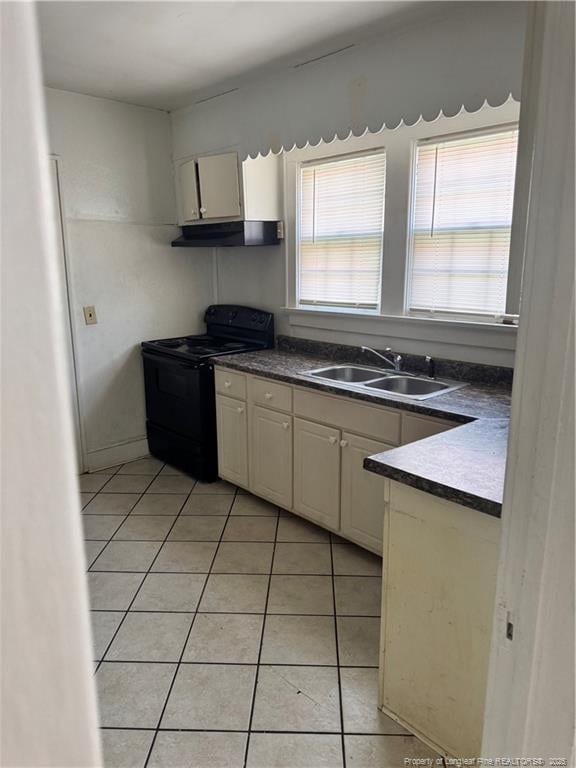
377 380
409 386
351 374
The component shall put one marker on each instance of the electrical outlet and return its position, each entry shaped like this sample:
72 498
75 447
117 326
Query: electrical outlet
90 315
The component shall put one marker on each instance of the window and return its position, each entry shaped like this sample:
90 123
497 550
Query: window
340 230
461 219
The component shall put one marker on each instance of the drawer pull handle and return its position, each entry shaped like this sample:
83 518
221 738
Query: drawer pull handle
203 210
227 384
343 443
240 410
285 425
268 395
332 440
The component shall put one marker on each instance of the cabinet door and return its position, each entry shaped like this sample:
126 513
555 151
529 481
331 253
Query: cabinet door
364 494
188 192
317 472
219 186
232 440
271 455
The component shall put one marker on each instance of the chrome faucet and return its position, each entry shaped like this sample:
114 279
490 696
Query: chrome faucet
395 362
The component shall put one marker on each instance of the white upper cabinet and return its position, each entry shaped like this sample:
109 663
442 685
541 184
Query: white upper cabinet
219 184
188 192
218 187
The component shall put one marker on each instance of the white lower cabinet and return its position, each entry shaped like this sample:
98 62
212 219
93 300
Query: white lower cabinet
363 494
232 422
271 455
305 450
317 472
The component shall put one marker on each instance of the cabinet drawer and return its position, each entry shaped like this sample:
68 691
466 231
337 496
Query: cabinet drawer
418 427
341 412
230 383
270 394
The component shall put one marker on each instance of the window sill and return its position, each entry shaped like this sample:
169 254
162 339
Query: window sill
330 311
491 343
448 322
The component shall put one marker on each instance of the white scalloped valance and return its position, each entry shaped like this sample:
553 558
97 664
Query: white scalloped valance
469 56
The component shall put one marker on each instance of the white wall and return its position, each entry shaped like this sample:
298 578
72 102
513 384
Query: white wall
444 56
119 208
530 704
48 713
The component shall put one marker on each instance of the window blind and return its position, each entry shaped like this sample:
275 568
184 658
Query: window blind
462 215
341 223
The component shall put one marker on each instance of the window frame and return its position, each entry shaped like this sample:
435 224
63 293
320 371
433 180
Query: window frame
399 145
479 317
319 306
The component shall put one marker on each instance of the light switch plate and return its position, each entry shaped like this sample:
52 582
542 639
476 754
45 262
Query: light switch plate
90 315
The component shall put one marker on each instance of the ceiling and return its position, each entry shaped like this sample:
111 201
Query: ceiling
169 54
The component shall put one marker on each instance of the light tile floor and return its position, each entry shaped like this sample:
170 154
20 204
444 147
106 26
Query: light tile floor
228 633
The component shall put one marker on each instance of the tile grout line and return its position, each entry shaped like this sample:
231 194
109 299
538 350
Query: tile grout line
235 663
215 573
124 517
256 730
230 613
258 662
343 745
179 662
131 603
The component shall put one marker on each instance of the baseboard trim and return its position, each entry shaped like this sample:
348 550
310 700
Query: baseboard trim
116 454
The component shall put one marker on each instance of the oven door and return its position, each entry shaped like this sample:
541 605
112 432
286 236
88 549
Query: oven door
180 396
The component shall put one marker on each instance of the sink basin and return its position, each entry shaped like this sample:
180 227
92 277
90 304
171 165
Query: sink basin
409 386
350 374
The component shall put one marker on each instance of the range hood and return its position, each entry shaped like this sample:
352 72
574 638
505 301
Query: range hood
229 233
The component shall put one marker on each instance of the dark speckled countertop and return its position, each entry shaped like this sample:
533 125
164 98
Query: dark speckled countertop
465 465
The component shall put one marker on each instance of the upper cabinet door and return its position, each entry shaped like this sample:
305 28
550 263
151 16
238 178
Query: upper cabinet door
188 189
219 186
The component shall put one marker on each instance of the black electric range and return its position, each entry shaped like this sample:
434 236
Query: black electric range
179 382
